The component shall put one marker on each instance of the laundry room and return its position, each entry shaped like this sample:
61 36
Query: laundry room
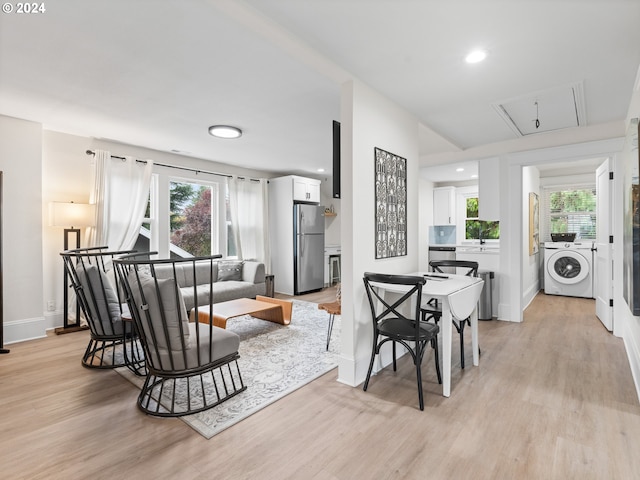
573 221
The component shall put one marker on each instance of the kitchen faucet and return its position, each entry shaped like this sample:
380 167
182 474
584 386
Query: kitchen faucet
480 236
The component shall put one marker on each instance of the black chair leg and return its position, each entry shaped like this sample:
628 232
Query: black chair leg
419 376
434 344
394 356
373 356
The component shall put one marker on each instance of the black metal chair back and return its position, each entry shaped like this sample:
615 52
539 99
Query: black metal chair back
472 267
185 352
99 294
433 310
395 301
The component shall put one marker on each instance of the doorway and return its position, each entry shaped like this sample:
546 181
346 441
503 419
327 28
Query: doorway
554 158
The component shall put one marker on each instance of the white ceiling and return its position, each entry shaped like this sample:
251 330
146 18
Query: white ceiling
463 172
159 73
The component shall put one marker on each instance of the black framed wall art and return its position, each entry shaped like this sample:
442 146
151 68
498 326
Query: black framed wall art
391 204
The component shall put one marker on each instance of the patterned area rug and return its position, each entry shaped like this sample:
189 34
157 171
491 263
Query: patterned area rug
274 361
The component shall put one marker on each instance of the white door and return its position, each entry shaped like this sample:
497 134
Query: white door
602 257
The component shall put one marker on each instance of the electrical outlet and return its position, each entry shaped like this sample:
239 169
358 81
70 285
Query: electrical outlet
51 306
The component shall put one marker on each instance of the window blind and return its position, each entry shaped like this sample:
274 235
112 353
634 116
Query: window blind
569 209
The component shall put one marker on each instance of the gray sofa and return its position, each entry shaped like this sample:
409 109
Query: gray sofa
231 279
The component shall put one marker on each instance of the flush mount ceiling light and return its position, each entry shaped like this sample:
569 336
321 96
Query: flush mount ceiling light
225 131
476 56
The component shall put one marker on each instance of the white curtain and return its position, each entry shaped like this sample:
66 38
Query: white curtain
248 203
120 192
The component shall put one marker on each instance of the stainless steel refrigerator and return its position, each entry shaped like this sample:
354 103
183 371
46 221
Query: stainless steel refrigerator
308 251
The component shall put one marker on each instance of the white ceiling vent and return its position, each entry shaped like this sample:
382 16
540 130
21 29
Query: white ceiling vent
544 111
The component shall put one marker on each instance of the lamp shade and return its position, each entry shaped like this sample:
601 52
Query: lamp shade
62 214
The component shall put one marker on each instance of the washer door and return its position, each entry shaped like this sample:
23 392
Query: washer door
568 267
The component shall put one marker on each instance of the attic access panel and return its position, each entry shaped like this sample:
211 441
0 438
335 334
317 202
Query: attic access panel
555 109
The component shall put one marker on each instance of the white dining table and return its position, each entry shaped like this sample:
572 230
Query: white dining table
459 295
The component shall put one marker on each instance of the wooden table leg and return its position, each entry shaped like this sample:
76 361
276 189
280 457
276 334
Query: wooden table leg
281 315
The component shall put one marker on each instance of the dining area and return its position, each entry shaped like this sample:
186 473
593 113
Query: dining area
417 311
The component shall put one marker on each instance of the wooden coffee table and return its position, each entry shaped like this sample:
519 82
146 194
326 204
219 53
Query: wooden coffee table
265 308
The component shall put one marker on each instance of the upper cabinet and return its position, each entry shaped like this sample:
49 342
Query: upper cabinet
306 189
444 206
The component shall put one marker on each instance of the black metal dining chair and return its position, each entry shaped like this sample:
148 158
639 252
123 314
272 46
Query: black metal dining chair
398 321
432 309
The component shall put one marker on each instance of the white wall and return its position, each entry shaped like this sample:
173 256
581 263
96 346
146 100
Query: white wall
531 282
369 120
21 164
66 176
425 199
625 323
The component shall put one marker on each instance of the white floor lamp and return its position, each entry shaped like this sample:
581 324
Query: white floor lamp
70 216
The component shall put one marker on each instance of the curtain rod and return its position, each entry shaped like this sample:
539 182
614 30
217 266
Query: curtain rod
91 152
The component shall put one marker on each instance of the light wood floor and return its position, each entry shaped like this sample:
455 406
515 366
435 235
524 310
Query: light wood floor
553 398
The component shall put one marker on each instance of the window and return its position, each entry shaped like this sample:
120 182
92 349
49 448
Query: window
191 222
475 229
189 215
570 209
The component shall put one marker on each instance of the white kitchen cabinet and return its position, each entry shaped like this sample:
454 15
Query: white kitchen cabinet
444 206
306 189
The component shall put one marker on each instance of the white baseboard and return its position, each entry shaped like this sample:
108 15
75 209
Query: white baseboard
530 294
633 354
25 329
354 373
504 313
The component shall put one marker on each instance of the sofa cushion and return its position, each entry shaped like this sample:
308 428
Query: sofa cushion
230 270
190 293
232 289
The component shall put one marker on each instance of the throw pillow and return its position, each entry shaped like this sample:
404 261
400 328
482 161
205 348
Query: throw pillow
100 297
163 311
230 270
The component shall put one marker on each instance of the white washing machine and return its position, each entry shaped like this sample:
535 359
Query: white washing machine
568 269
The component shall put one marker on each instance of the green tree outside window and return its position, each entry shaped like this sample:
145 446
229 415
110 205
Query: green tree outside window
476 229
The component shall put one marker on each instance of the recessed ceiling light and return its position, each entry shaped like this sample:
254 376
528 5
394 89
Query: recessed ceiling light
321 170
474 176
225 131
476 56
459 169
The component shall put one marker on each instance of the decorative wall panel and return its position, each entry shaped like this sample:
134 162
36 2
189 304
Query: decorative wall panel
391 204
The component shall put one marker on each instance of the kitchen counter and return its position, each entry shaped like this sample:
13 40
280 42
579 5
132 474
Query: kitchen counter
495 250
